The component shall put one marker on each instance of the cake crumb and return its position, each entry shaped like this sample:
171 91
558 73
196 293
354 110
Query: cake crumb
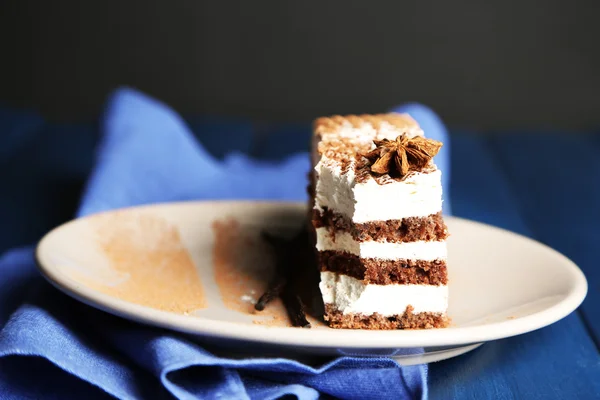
248 299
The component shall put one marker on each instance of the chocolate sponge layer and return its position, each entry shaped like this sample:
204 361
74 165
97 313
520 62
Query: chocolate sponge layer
410 229
384 272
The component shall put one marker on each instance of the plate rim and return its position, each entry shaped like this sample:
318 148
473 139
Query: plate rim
291 336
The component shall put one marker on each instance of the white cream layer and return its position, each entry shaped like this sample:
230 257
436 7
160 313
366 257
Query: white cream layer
351 296
343 241
419 195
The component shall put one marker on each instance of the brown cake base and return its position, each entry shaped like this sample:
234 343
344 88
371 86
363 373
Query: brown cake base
337 320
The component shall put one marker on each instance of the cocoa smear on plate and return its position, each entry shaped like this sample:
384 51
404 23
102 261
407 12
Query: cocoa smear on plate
244 264
151 261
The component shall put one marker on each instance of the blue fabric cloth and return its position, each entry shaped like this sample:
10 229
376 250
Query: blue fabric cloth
53 347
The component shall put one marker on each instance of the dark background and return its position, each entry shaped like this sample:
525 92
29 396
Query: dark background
493 64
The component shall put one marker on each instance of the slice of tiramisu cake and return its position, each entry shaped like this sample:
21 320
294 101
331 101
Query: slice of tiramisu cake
379 231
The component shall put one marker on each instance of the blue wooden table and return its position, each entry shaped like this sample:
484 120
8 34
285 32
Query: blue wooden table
543 185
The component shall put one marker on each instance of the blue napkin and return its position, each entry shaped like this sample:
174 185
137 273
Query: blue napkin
54 347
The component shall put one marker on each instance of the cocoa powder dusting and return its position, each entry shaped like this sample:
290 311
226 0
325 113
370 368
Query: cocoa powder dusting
242 262
277 319
155 267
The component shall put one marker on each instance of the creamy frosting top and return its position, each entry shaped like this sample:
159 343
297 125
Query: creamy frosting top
346 186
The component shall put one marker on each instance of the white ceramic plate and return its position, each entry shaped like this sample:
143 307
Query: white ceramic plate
197 267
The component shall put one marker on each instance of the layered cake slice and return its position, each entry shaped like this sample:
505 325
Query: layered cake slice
378 229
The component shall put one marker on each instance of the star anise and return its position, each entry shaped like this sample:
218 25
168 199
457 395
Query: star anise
399 156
